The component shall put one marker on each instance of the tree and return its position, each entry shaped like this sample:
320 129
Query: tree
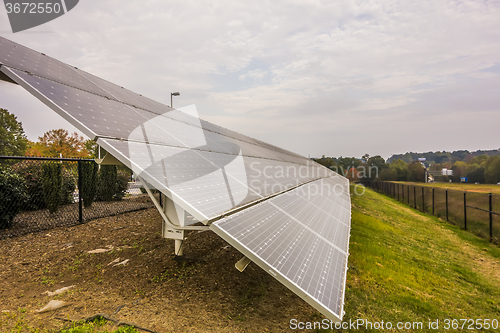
55 143
400 167
492 170
92 147
346 163
13 141
475 173
375 165
416 172
388 174
458 169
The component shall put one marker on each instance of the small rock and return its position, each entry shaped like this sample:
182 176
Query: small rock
123 263
58 291
114 261
53 305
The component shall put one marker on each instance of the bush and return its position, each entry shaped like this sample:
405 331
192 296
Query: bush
121 184
31 171
89 182
52 185
13 195
107 183
68 187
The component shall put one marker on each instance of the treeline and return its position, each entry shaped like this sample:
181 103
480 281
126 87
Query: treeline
443 156
480 169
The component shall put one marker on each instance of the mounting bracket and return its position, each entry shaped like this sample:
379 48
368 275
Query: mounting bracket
174 219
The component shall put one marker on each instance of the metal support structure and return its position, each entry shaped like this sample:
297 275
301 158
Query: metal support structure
415 196
491 216
408 193
174 219
465 210
160 209
433 201
446 204
242 264
423 199
177 216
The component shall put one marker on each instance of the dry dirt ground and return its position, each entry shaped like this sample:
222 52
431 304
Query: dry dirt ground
152 290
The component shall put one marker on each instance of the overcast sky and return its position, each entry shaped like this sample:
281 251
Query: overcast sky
339 78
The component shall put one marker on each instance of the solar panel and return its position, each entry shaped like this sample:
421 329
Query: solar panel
25 59
298 239
288 214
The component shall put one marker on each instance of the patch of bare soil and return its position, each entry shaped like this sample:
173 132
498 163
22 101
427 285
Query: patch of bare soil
151 289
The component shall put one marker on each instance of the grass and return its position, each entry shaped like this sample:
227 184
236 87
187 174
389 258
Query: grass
482 188
405 266
98 325
17 322
180 273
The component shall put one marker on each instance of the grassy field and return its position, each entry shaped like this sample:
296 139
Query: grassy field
405 266
482 188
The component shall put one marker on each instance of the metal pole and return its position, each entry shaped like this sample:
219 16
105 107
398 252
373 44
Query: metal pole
446 204
433 201
80 200
414 196
491 218
465 210
423 200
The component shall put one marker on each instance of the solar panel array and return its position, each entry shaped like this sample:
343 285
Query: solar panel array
300 235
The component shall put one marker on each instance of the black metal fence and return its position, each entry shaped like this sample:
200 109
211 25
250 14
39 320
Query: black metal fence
477 212
39 193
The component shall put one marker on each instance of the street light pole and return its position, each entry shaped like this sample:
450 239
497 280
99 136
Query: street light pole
171 98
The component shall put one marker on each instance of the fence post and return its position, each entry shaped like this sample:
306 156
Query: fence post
465 210
433 201
446 204
491 217
408 192
423 200
397 188
415 196
80 199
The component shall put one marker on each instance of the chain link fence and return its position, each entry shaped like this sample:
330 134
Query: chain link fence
477 212
42 193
